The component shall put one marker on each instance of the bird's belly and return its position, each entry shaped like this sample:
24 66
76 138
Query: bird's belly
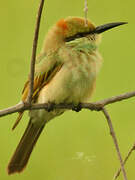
82 83
70 85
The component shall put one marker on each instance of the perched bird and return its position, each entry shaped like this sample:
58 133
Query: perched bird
65 72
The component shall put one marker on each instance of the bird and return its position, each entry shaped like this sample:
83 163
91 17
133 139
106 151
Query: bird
65 72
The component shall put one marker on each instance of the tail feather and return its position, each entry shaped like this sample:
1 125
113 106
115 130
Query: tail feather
24 149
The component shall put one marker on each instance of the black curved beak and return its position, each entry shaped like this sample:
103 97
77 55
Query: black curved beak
105 27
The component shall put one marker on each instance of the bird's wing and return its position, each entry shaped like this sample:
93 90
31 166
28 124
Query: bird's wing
45 69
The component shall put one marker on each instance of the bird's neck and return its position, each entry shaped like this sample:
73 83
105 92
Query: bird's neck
83 44
53 40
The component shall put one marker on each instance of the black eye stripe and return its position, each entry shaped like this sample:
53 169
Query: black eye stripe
78 35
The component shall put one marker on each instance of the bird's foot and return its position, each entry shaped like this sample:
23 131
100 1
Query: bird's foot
77 108
50 106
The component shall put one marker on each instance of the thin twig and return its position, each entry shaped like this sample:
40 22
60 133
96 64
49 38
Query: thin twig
117 98
12 109
33 57
86 11
125 160
115 141
92 106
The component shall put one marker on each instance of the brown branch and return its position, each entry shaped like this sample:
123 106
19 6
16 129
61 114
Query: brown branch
115 141
125 160
34 49
13 109
97 106
117 98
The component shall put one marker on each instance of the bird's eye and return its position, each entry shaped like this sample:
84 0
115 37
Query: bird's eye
78 36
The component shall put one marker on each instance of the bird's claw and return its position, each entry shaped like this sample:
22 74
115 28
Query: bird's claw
50 107
77 108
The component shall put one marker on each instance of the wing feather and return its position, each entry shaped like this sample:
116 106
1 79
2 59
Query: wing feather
45 69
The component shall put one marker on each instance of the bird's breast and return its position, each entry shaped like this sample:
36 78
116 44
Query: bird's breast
82 69
75 81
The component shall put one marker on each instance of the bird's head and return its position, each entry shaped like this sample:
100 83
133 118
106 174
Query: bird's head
75 27
71 28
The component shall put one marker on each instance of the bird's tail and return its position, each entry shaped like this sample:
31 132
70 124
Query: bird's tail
24 149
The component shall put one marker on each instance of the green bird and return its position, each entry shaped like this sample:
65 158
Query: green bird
65 72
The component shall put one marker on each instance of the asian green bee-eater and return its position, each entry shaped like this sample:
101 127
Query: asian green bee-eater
65 72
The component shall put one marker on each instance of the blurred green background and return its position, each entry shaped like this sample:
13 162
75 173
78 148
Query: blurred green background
75 146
